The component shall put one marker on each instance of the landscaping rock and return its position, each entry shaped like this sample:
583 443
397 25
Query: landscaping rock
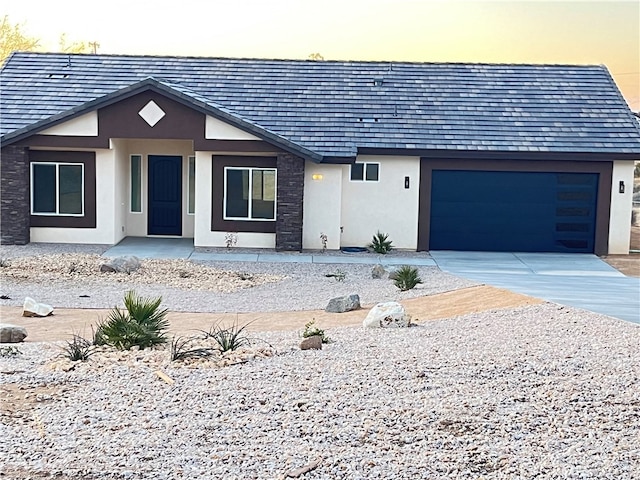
378 272
393 275
311 343
125 264
387 315
31 308
343 304
12 333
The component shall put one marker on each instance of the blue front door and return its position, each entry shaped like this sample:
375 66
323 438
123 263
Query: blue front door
165 195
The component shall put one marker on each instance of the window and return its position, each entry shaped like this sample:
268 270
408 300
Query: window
191 192
57 189
368 172
136 183
249 193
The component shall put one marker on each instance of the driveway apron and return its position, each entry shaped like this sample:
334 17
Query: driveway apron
576 280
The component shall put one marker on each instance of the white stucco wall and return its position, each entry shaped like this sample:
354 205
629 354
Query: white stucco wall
218 130
621 204
322 205
203 236
384 205
83 126
105 231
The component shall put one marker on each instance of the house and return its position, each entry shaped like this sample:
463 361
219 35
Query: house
534 158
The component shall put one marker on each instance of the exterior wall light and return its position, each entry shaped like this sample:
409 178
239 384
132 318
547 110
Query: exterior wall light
317 176
621 187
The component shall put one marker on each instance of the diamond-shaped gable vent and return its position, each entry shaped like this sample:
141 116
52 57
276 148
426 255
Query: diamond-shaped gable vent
151 113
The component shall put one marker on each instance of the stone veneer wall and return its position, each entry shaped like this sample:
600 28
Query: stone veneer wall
289 205
14 195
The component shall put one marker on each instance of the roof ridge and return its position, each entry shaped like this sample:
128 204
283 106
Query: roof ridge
310 61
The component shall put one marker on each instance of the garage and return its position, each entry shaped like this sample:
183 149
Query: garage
520 211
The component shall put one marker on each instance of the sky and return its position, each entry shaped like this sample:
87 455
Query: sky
603 32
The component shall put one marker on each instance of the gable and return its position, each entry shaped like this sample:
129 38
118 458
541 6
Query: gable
218 130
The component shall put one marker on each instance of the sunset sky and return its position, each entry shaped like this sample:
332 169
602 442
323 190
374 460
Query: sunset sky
583 32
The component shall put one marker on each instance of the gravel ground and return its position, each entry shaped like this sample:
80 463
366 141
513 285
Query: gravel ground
543 392
71 279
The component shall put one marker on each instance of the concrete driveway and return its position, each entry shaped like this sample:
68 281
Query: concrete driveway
577 280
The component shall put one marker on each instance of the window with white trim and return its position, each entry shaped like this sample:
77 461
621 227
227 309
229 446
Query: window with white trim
136 183
367 172
249 193
191 186
57 189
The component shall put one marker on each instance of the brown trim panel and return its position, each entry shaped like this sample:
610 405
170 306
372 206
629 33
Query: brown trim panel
218 224
604 169
89 161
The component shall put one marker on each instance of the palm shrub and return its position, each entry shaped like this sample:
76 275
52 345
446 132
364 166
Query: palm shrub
380 243
142 324
406 278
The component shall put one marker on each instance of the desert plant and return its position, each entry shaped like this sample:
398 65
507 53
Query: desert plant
339 275
380 243
78 348
324 239
406 278
180 349
9 351
228 338
142 324
230 239
311 330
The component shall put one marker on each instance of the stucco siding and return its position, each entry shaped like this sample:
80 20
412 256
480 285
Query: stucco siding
385 205
218 130
83 126
621 206
322 205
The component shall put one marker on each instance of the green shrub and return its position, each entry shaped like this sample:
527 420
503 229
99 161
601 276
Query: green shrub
380 243
142 324
311 330
229 338
406 278
78 348
180 349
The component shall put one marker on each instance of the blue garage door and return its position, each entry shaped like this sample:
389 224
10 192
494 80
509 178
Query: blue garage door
513 211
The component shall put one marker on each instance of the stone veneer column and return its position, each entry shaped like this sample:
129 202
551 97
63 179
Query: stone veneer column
289 206
14 195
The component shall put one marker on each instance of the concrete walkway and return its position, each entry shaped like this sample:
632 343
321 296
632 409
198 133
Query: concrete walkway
577 280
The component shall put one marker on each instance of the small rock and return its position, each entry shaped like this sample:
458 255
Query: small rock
387 315
378 272
31 308
311 343
343 304
12 333
125 264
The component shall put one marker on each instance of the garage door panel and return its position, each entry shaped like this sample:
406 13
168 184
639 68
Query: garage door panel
513 211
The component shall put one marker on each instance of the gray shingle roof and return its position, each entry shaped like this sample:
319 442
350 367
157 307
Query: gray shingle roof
335 108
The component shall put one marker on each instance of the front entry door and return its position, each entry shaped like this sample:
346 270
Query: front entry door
165 195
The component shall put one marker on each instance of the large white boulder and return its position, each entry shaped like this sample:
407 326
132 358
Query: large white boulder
31 308
387 315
